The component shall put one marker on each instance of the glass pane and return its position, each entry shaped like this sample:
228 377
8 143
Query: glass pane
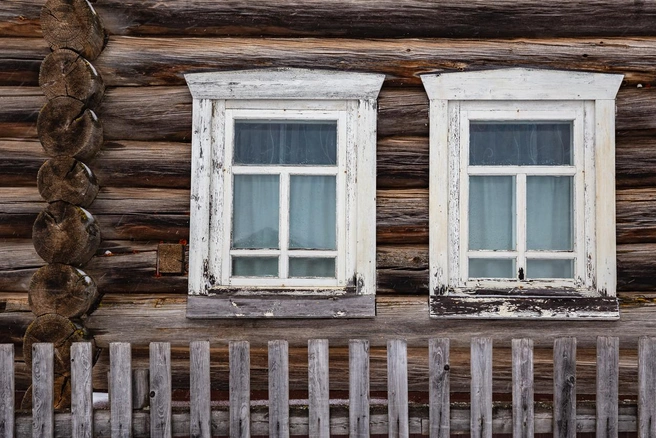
492 268
255 266
312 210
546 268
549 212
255 214
492 212
520 143
311 267
292 142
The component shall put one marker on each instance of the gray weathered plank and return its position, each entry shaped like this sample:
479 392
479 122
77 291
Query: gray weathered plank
522 388
140 388
439 388
358 388
43 419
81 390
240 391
564 378
318 389
200 421
7 387
278 389
481 387
607 386
397 388
120 387
160 389
647 387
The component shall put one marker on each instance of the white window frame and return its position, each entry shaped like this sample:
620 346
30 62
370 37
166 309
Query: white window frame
586 99
219 98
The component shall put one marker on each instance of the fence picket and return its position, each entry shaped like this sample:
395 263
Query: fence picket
481 387
7 387
278 389
522 375
607 386
564 380
440 400
318 389
200 421
120 387
160 389
43 418
397 388
647 387
358 388
81 390
240 389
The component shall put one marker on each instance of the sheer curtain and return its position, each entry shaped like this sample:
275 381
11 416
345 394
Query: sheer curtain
493 204
312 198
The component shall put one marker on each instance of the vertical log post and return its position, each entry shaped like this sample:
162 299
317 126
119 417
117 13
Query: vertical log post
439 388
358 388
81 390
200 421
481 387
120 387
318 389
240 389
564 380
43 397
522 376
278 389
7 387
607 386
160 390
397 388
646 387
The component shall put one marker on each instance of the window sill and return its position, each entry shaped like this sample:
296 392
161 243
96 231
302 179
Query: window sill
272 306
524 307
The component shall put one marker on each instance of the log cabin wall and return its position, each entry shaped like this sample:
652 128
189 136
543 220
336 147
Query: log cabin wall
144 166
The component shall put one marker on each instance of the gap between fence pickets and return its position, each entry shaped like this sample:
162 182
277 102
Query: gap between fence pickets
358 416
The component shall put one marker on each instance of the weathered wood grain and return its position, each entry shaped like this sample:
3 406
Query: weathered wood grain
278 389
82 390
62 289
439 387
7 388
57 330
647 385
160 389
66 73
240 397
481 387
200 421
408 18
359 388
318 388
73 24
141 386
120 389
43 415
69 180
65 233
397 388
522 388
164 113
607 386
67 127
564 387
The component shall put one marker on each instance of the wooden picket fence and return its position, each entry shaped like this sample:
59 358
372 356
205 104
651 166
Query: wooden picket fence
239 420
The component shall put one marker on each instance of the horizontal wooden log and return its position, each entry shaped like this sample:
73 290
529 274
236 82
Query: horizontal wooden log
163 61
402 162
388 18
164 113
339 420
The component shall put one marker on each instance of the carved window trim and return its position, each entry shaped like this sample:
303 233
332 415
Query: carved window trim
349 98
591 95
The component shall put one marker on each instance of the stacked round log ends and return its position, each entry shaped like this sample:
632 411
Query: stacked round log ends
73 24
65 233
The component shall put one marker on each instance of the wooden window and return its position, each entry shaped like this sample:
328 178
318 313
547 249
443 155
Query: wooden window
283 192
522 206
